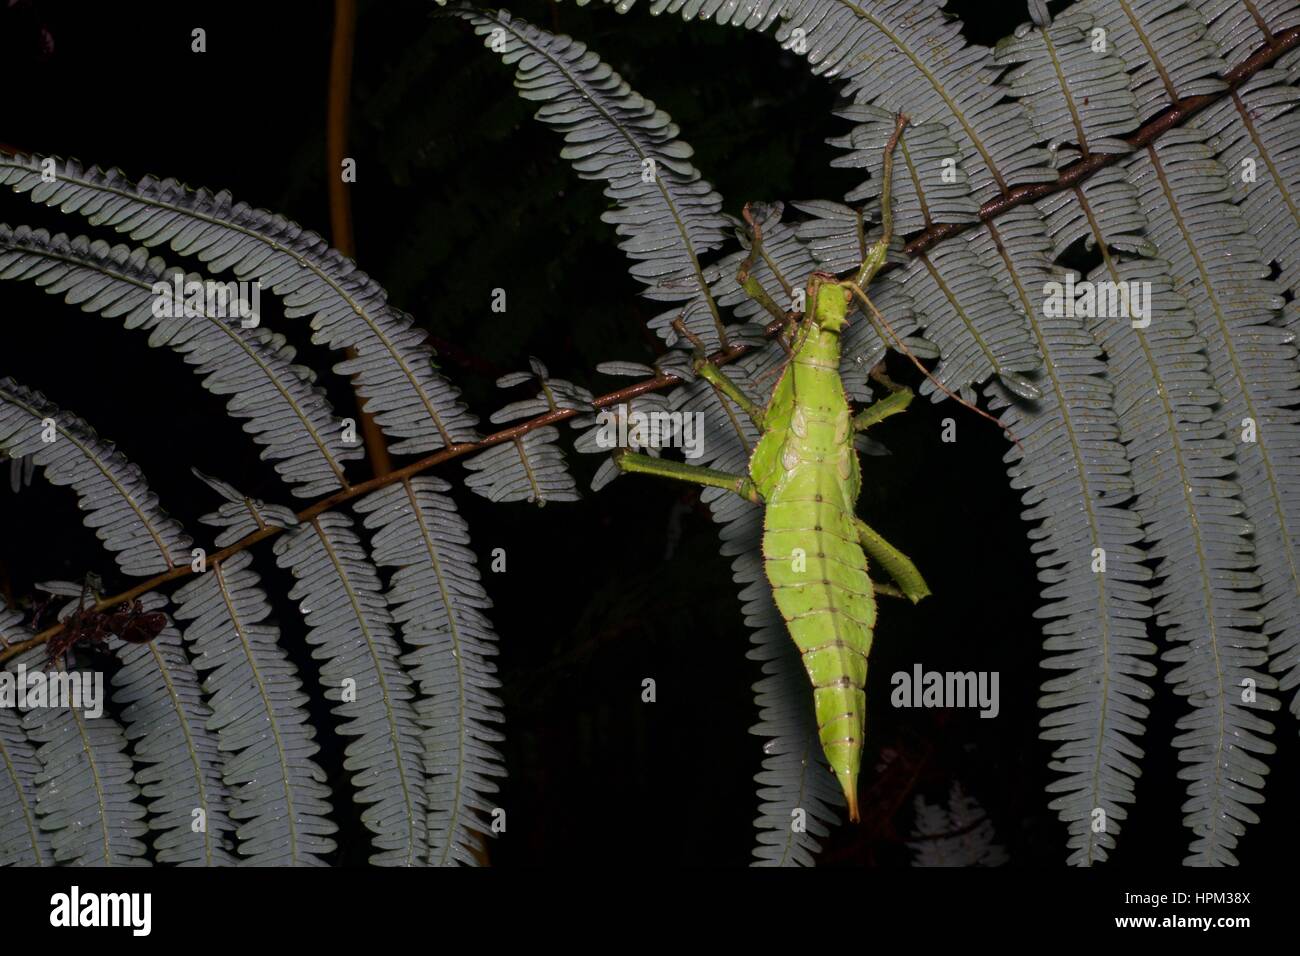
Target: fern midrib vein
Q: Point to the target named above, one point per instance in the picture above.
(1064, 83)
(1259, 20)
(960, 311)
(806, 762)
(453, 628)
(29, 814)
(1067, 420)
(272, 718)
(94, 459)
(191, 750)
(382, 675)
(93, 766)
(528, 470)
(1280, 183)
(913, 174)
(1249, 125)
(1152, 56)
(1177, 447)
(1208, 285)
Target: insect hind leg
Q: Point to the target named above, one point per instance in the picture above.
(898, 565)
(893, 403)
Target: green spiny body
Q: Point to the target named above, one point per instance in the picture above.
(806, 470)
(805, 474)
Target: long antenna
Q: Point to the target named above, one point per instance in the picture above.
(876, 317)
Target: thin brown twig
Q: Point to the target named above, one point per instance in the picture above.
(341, 497)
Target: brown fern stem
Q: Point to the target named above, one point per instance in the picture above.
(1146, 134)
(351, 492)
(1071, 176)
(340, 199)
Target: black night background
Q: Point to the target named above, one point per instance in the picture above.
(459, 192)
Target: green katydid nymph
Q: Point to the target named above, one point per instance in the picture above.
(805, 474)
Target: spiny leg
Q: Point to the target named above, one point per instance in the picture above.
(679, 471)
(753, 288)
(715, 377)
(893, 403)
(898, 565)
(875, 257)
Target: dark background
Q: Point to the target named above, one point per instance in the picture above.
(459, 191)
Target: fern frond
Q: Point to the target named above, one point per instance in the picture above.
(902, 56)
(1256, 130)
(1217, 263)
(111, 491)
(22, 841)
(593, 437)
(340, 597)
(1256, 134)
(957, 835)
(1181, 462)
(1073, 468)
(283, 410)
(1165, 48)
(668, 216)
(85, 795)
(438, 601)
(156, 681)
(555, 394)
(1058, 56)
(929, 185)
(393, 366)
(1237, 29)
(961, 308)
(530, 467)
(239, 515)
(1075, 483)
(166, 720)
(259, 714)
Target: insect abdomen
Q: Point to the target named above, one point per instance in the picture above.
(819, 580)
(818, 572)
(807, 472)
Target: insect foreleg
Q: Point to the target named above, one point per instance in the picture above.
(715, 377)
(679, 471)
(898, 565)
(753, 288)
(875, 257)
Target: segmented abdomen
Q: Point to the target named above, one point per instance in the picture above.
(818, 574)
